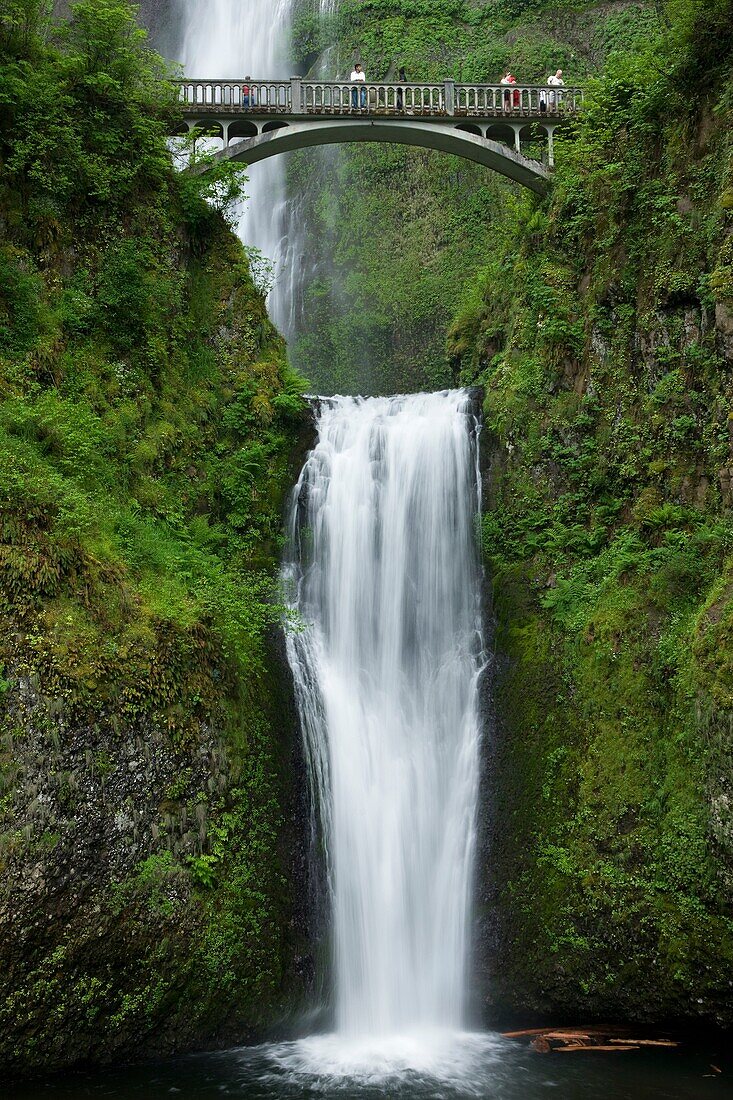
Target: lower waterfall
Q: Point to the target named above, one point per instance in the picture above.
(387, 656)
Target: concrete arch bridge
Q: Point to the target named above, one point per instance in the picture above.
(485, 123)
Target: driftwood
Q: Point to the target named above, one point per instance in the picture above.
(600, 1047)
(609, 1040)
(649, 1042)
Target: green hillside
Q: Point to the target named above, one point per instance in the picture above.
(602, 329)
(147, 425)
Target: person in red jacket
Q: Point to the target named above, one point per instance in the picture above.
(510, 97)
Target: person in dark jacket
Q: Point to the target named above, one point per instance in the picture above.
(400, 96)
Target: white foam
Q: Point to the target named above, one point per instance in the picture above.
(459, 1061)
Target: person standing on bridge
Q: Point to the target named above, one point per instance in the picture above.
(402, 77)
(508, 78)
(245, 92)
(358, 76)
(556, 81)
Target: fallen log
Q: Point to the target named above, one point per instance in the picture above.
(601, 1047)
(593, 1030)
(648, 1042)
(610, 1039)
(563, 1035)
(523, 1034)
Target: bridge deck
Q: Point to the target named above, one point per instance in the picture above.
(302, 99)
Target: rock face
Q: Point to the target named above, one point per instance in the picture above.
(123, 901)
(594, 897)
(162, 20)
(156, 893)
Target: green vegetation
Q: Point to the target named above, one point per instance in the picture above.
(148, 421)
(144, 428)
(148, 426)
(601, 328)
(396, 234)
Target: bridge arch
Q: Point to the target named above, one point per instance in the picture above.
(242, 128)
(457, 140)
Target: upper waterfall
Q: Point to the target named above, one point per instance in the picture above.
(233, 39)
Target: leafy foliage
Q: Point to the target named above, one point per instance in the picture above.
(593, 329)
(398, 234)
(147, 420)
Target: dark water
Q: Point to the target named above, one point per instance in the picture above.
(480, 1066)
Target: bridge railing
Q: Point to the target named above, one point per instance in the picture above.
(495, 99)
(308, 97)
(323, 97)
(239, 95)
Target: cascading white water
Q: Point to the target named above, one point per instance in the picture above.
(384, 573)
(231, 39)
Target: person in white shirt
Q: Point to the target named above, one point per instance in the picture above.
(556, 81)
(358, 76)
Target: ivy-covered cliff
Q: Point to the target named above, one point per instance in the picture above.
(602, 329)
(149, 843)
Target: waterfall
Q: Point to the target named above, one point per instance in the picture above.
(232, 39)
(384, 576)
